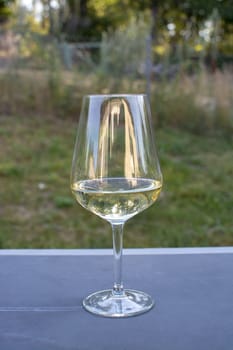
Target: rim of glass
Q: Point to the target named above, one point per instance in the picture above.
(113, 95)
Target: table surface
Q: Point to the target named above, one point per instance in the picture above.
(41, 296)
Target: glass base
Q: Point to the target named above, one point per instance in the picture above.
(108, 304)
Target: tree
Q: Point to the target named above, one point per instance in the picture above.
(5, 10)
(86, 20)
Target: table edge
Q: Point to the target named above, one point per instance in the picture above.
(128, 251)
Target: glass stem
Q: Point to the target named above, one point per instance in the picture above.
(117, 235)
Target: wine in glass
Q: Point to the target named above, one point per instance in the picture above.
(116, 175)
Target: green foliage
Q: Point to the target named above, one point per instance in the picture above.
(124, 50)
(36, 50)
(88, 19)
(5, 10)
(112, 14)
(10, 170)
(202, 9)
(63, 201)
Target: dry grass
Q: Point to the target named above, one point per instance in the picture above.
(202, 103)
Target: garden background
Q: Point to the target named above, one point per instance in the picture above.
(54, 52)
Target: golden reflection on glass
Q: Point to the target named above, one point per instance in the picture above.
(116, 112)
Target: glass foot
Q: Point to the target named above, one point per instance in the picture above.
(106, 303)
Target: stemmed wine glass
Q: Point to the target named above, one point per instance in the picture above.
(116, 175)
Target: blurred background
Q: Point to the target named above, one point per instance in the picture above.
(52, 52)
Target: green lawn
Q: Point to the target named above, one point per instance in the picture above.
(37, 209)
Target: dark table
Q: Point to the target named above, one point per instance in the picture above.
(41, 292)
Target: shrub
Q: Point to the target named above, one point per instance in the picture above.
(124, 50)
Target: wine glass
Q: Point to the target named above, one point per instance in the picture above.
(116, 175)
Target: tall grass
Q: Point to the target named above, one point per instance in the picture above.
(36, 92)
(201, 103)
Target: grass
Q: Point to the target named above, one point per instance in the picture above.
(37, 209)
(201, 104)
(40, 104)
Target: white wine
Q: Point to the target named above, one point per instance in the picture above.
(116, 199)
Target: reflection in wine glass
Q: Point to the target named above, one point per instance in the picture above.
(116, 113)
